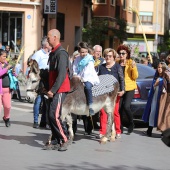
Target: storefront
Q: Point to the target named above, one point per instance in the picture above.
(21, 26)
(11, 30)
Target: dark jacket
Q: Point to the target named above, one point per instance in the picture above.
(58, 70)
(116, 71)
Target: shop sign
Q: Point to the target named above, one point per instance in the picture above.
(50, 6)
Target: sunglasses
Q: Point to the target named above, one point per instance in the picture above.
(122, 53)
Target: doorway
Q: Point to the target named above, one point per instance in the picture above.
(11, 30)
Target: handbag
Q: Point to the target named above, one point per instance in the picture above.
(13, 80)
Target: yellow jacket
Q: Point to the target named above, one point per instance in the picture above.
(130, 74)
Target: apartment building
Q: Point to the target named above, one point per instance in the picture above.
(114, 10)
(154, 17)
(153, 14)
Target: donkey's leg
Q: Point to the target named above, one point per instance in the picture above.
(113, 133)
(70, 126)
(109, 124)
(109, 128)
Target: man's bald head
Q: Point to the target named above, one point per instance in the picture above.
(55, 32)
(53, 37)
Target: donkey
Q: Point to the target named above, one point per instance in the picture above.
(32, 82)
(75, 102)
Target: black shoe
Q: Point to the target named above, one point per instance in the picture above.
(35, 125)
(121, 128)
(96, 126)
(21, 100)
(7, 122)
(147, 133)
(87, 133)
(42, 125)
(64, 146)
(131, 127)
(14, 96)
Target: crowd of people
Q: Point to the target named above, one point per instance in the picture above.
(54, 68)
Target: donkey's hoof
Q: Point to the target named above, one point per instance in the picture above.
(103, 140)
(112, 139)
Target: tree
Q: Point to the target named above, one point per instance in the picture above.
(165, 44)
(96, 31)
(120, 29)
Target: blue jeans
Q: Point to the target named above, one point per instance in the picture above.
(36, 108)
(88, 92)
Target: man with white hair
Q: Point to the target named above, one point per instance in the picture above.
(97, 57)
(41, 56)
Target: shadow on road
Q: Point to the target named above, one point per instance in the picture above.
(86, 166)
(28, 140)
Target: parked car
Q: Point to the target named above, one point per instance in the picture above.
(144, 83)
(145, 54)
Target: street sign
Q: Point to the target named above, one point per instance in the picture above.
(50, 6)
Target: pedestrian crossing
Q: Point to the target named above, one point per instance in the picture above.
(21, 106)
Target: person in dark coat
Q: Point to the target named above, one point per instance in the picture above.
(153, 104)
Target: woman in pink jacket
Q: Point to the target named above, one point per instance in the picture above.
(5, 92)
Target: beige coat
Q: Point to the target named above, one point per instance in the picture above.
(164, 109)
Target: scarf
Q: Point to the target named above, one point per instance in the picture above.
(84, 62)
(13, 80)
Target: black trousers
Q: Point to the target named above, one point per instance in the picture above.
(58, 128)
(124, 106)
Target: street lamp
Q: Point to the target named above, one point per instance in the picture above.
(137, 13)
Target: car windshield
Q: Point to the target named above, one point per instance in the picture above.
(145, 71)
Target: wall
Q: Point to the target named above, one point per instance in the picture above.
(72, 10)
(32, 30)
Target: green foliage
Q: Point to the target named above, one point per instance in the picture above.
(165, 45)
(121, 32)
(96, 31)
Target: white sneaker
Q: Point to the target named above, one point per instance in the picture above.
(99, 136)
(118, 136)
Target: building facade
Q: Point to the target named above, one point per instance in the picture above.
(154, 17)
(153, 14)
(24, 22)
(21, 26)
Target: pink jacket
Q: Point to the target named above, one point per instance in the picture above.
(2, 72)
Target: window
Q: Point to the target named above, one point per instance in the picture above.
(134, 17)
(101, 1)
(146, 18)
(112, 2)
(61, 24)
(124, 4)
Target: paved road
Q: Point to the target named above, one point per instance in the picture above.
(21, 148)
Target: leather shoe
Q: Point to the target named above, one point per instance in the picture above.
(7, 122)
(147, 133)
(35, 125)
(131, 127)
